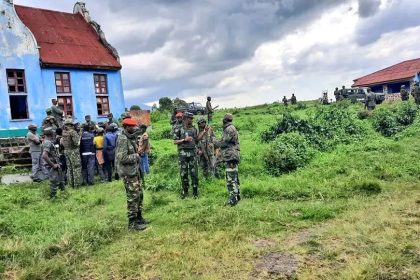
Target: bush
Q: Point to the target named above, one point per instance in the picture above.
(386, 123)
(287, 153)
(362, 115)
(407, 114)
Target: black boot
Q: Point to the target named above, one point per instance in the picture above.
(184, 192)
(233, 201)
(195, 192)
(141, 220)
(132, 225)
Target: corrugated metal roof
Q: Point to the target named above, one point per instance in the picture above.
(401, 71)
(66, 40)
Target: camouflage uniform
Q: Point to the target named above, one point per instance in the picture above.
(370, 102)
(57, 113)
(415, 92)
(127, 166)
(404, 94)
(55, 175)
(71, 142)
(337, 94)
(293, 99)
(187, 155)
(209, 110)
(229, 145)
(285, 102)
(206, 151)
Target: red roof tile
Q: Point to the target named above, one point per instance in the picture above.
(401, 71)
(66, 40)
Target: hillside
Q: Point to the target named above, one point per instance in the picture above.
(329, 192)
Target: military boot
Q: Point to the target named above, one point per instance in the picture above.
(132, 225)
(232, 201)
(195, 191)
(141, 220)
(184, 192)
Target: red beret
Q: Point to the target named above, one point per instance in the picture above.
(129, 122)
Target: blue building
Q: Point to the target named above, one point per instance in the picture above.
(48, 54)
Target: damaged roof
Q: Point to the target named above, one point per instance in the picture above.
(66, 40)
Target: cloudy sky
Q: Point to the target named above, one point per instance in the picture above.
(247, 52)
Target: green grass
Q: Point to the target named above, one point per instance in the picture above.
(360, 202)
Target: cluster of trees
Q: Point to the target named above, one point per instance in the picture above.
(165, 104)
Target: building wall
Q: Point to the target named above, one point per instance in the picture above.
(18, 50)
(83, 91)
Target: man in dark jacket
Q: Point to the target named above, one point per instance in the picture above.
(110, 144)
(127, 160)
(87, 150)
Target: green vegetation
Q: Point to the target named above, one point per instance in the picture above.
(346, 206)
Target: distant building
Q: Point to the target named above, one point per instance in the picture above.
(390, 79)
(48, 54)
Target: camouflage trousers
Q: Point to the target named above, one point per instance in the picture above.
(209, 118)
(188, 165)
(74, 167)
(208, 165)
(232, 181)
(134, 193)
(56, 178)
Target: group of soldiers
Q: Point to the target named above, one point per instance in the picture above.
(415, 92)
(293, 100)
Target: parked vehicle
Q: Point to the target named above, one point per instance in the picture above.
(194, 108)
(359, 94)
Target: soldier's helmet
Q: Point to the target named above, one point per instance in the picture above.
(188, 115)
(228, 117)
(201, 120)
(48, 110)
(208, 98)
(48, 131)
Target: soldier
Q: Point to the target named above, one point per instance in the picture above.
(324, 99)
(178, 122)
(209, 110)
(127, 160)
(49, 120)
(415, 92)
(206, 148)
(186, 137)
(343, 92)
(110, 120)
(57, 143)
(91, 123)
(404, 94)
(57, 112)
(293, 99)
(370, 102)
(87, 151)
(35, 151)
(285, 102)
(71, 144)
(337, 94)
(52, 161)
(229, 145)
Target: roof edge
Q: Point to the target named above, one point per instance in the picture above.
(380, 83)
(77, 66)
(386, 68)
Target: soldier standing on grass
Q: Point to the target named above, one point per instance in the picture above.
(71, 143)
(209, 110)
(229, 145)
(285, 102)
(337, 94)
(415, 92)
(35, 151)
(404, 94)
(206, 148)
(127, 160)
(51, 157)
(370, 102)
(186, 138)
(293, 99)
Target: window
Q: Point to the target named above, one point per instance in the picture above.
(66, 103)
(101, 90)
(18, 97)
(16, 81)
(102, 104)
(62, 82)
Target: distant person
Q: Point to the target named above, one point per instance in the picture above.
(110, 144)
(293, 99)
(206, 148)
(337, 94)
(87, 151)
(127, 160)
(370, 102)
(71, 144)
(111, 120)
(285, 102)
(209, 110)
(230, 150)
(415, 92)
(186, 138)
(144, 149)
(98, 143)
(343, 92)
(49, 120)
(57, 112)
(51, 157)
(404, 94)
(88, 121)
(35, 145)
(324, 99)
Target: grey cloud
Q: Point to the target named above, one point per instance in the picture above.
(368, 8)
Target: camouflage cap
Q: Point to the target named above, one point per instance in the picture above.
(188, 115)
(48, 131)
(228, 117)
(48, 110)
(201, 120)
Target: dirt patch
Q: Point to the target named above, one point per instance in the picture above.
(278, 265)
(15, 179)
(263, 243)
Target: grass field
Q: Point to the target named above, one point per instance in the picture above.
(351, 212)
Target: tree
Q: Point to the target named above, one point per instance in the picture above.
(135, 108)
(179, 103)
(165, 104)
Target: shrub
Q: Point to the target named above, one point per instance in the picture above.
(287, 153)
(362, 115)
(407, 114)
(392, 120)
